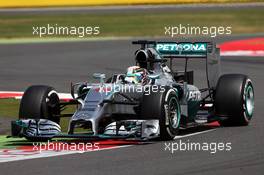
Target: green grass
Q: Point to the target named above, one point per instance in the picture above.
(135, 24)
(9, 108)
(9, 142)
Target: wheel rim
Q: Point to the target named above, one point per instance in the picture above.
(249, 101)
(173, 111)
(52, 101)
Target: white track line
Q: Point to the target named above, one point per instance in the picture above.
(45, 154)
(259, 53)
(193, 134)
(18, 95)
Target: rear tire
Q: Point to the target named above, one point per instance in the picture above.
(164, 106)
(234, 100)
(40, 102)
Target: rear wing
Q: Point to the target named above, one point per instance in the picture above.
(188, 50)
(183, 49)
(179, 49)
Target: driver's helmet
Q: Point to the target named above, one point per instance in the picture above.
(136, 75)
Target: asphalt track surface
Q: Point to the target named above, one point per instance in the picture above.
(60, 63)
(57, 64)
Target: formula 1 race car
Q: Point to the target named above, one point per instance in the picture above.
(150, 100)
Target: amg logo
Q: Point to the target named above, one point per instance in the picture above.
(174, 47)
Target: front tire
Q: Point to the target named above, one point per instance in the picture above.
(40, 102)
(234, 100)
(164, 106)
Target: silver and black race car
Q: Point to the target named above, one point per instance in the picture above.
(150, 100)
